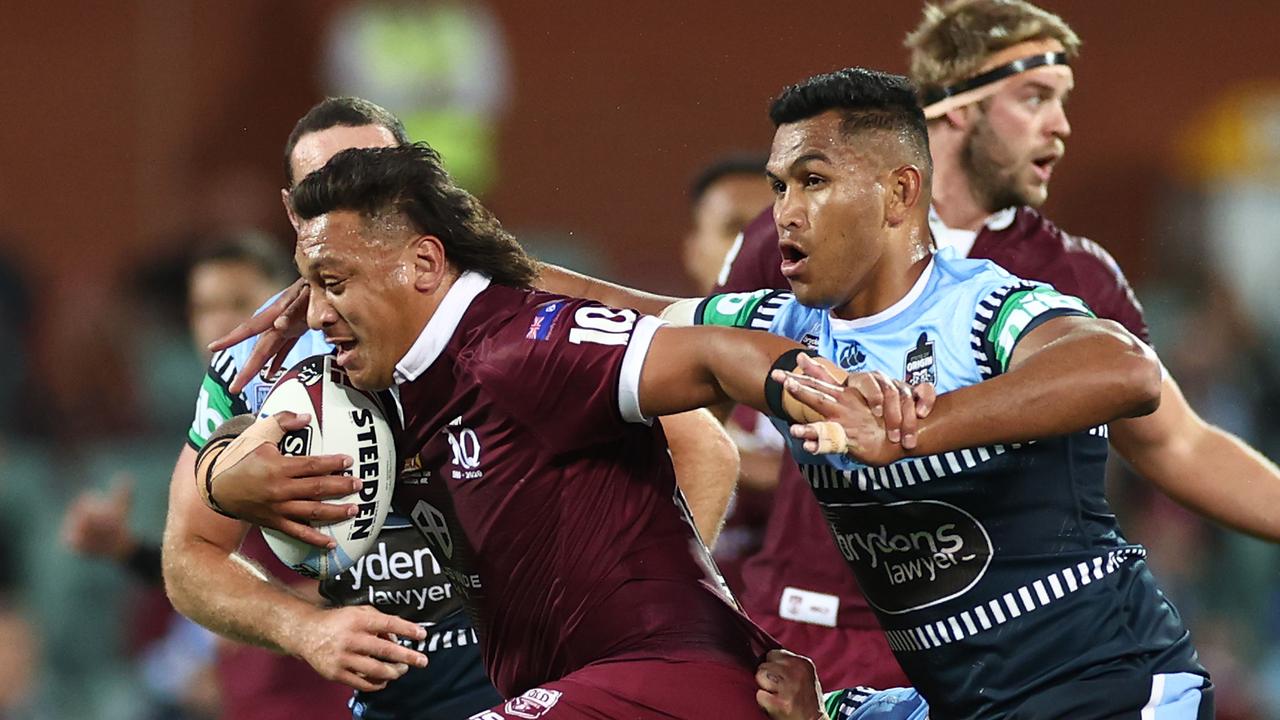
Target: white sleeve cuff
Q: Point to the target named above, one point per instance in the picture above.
(632, 364)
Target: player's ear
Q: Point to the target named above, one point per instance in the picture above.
(429, 266)
(902, 194)
(288, 209)
(961, 118)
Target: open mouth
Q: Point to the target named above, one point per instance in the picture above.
(345, 349)
(793, 258)
(1043, 166)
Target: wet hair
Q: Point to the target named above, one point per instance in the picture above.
(867, 100)
(954, 40)
(727, 166)
(255, 249)
(340, 112)
(410, 181)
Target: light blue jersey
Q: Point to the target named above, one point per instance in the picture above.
(997, 572)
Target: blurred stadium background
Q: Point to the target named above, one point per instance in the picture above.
(132, 129)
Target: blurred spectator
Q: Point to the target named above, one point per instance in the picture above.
(225, 283)
(725, 196)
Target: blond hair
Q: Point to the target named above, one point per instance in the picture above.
(954, 40)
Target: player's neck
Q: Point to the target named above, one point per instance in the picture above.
(954, 199)
(891, 279)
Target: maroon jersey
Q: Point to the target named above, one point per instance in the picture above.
(550, 501)
(1031, 247)
(798, 581)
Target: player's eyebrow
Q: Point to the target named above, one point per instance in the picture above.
(807, 157)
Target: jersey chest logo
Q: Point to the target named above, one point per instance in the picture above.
(913, 554)
(919, 366)
(464, 444)
(851, 357)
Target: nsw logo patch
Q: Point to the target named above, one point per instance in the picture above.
(919, 366)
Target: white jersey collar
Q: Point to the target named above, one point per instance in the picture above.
(440, 327)
(961, 241)
(893, 310)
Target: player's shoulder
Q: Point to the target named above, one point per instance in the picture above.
(515, 324)
(1067, 252)
(962, 280)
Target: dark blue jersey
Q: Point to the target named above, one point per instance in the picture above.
(997, 572)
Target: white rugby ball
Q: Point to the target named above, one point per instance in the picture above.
(346, 421)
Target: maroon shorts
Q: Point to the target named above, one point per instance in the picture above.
(638, 690)
(845, 657)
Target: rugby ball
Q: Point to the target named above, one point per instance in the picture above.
(344, 420)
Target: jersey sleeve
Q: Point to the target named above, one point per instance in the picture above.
(750, 310)
(570, 370)
(1007, 314)
(215, 404)
(754, 261)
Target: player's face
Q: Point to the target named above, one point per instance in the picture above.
(361, 279)
(721, 213)
(220, 295)
(1018, 138)
(829, 200)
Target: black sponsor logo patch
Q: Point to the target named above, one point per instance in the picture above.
(911, 555)
(810, 340)
(919, 366)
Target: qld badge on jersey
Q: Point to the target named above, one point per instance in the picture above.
(919, 365)
(544, 321)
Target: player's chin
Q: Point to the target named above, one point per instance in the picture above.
(367, 376)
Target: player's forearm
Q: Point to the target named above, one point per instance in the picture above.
(561, 281)
(694, 367)
(706, 465)
(225, 594)
(1203, 467)
(208, 582)
(1076, 382)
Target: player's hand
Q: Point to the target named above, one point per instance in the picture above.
(871, 417)
(356, 646)
(900, 405)
(789, 688)
(97, 524)
(284, 492)
(279, 324)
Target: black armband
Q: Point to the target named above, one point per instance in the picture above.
(205, 461)
(786, 362)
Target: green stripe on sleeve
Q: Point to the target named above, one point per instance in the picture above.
(1019, 312)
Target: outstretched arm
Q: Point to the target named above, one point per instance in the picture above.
(693, 367)
(1065, 375)
(1204, 467)
(563, 281)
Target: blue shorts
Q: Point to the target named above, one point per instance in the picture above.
(1168, 696)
